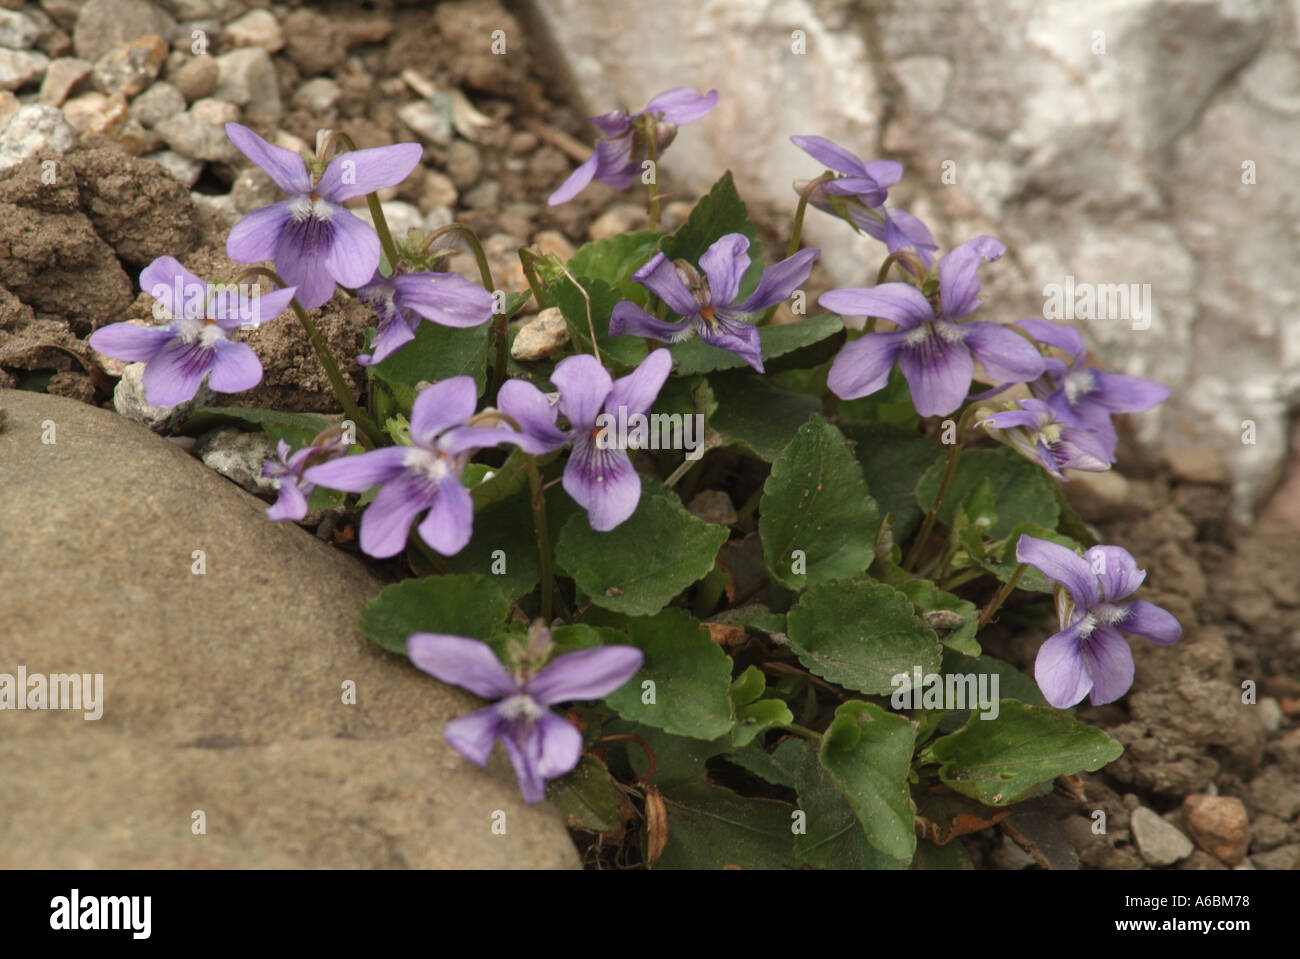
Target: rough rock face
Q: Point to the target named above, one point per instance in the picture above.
(1121, 142)
(223, 691)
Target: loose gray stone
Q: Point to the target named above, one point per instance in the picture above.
(31, 129)
(131, 67)
(319, 95)
(182, 168)
(18, 31)
(200, 132)
(238, 456)
(222, 691)
(18, 68)
(542, 336)
(197, 77)
(246, 78)
(61, 76)
(160, 102)
(257, 28)
(426, 122)
(253, 189)
(129, 401)
(105, 25)
(1159, 843)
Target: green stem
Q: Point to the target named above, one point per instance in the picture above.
(801, 731)
(961, 579)
(796, 231)
(381, 227)
(485, 277)
(954, 452)
(1000, 597)
(470, 237)
(652, 188)
(710, 591)
(367, 430)
(527, 259)
(543, 540)
(796, 235)
(918, 545)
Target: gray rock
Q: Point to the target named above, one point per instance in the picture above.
(464, 164)
(618, 219)
(131, 67)
(197, 77)
(253, 189)
(19, 68)
(222, 692)
(160, 102)
(485, 196)
(200, 133)
(319, 95)
(222, 207)
(61, 76)
(257, 28)
(438, 191)
(1284, 857)
(18, 31)
(129, 401)
(182, 168)
(1159, 843)
(238, 456)
(542, 336)
(246, 78)
(1114, 143)
(427, 122)
(104, 25)
(31, 129)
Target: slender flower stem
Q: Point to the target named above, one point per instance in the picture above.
(652, 188)
(796, 232)
(801, 731)
(538, 500)
(950, 469)
(381, 227)
(954, 453)
(528, 260)
(470, 237)
(796, 235)
(904, 259)
(1000, 597)
(710, 591)
(367, 430)
(485, 276)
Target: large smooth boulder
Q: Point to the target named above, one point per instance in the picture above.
(1146, 142)
(223, 692)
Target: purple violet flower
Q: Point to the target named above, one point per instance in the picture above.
(858, 196)
(1087, 397)
(705, 302)
(1034, 430)
(599, 474)
(424, 476)
(1089, 654)
(314, 240)
(287, 470)
(196, 342)
(541, 744)
(617, 158)
(933, 350)
(445, 298)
